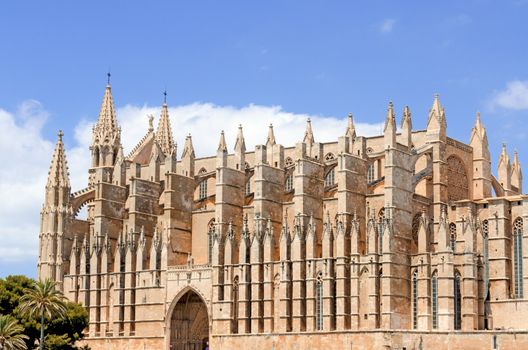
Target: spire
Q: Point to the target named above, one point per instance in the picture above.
(188, 149)
(58, 173)
(106, 126)
(308, 134)
(222, 146)
(478, 133)
(351, 129)
(164, 131)
(271, 136)
(240, 144)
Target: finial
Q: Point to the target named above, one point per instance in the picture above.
(151, 122)
(165, 97)
(108, 75)
(60, 134)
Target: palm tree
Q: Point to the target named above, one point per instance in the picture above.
(41, 301)
(10, 337)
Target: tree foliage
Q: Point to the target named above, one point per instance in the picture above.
(62, 332)
(11, 337)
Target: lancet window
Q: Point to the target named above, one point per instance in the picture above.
(517, 257)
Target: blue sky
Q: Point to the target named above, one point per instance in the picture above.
(309, 58)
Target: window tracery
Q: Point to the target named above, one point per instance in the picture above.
(457, 180)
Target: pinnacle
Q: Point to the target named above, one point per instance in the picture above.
(406, 120)
(222, 146)
(351, 129)
(164, 131)
(58, 173)
(106, 126)
(271, 136)
(308, 134)
(391, 118)
(240, 144)
(188, 149)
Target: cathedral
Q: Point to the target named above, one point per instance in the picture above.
(405, 240)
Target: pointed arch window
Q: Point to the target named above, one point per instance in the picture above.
(517, 257)
(457, 301)
(319, 303)
(452, 236)
(289, 183)
(434, 301)
(203, 189)
(485, 254)
(330, 178)
(415, 299)
(210, 234)
(371, 176)
(248, 187)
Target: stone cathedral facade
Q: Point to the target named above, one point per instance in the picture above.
(399, 241)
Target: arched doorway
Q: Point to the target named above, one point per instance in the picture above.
(189, 327)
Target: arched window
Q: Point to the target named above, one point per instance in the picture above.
(485, 254)
(452, 236)
(370, 173)
(457, 301)
(517, 257)
(210, 237)
(330, 178)
(289, 183)
(234, 316)
(434, 297)
(319, 303)
(415, 299)
(203, 189)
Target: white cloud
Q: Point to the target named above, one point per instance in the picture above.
(28, 153)
(515, 96)
(387, 26)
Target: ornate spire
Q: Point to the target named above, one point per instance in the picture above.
(308, 134)
(164, 131)
(240, 144)
(58, 173)
(106, 127)
(188, 149)
(271, 136)
(222, 146)
(351, 129)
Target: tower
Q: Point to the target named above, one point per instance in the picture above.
(55, 216)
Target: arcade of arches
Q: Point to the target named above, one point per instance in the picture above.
(189, 328)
